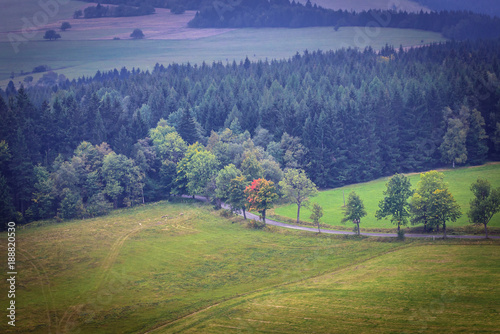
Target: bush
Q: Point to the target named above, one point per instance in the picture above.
(65, 26)
(137, 34)
(51, 35)
(226, 213)
(40, 68)
(255, 225)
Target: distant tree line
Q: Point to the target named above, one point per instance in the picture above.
(343, 116)
(184, 4)
(478, 6)
(282, 13)
(92, 12)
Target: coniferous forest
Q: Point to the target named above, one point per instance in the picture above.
(82, 147)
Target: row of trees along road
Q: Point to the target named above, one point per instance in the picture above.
(431, 204)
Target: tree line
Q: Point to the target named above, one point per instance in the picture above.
(98, 11)
(283, 13)
(431, 204)
(343, 116)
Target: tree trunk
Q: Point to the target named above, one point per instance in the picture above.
(444, 230)
(399, 226)
(425, 226)
(298, 213)
(319, 231)
(453, 163)
(485, 231)
(244, 214)
(264, 217)
(359, 233)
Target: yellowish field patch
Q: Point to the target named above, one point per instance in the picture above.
(360, 5)
(161, 25)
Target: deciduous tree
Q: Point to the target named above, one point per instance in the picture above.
(297, 188)
(137, 34)
(395, 203)
(261, 194)
(443, 208)
(354, 210)
(237, 198)
(484, 205)
(316, 214)
(421, 199)
(223, 181)
(51, 35)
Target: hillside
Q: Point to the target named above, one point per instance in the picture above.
(181, 267)
(139, 268)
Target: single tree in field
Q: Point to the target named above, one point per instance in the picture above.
(485, 204)
(443, 208)
(297, 187)
(65, 26)
(137, 34)
(261, 194)
(354, 210)
(317, 213)
(237, 197)
(395, 203)
(51, 35)
(421, 201)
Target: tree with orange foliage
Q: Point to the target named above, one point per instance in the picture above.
(261, 194)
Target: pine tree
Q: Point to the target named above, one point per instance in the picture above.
(187, 128)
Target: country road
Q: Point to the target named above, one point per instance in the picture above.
(310, 229)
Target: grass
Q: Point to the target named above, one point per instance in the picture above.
(139, 268)
(459, 181)
(418, 289)
(181, 267)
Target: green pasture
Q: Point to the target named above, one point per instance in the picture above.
(80, 57)
(427, 289)
(459, 181)
(140, 268)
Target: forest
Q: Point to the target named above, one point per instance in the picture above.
(81, 147)
(281, 13)
(118, 11)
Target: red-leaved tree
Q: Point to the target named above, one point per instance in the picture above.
(261, 194)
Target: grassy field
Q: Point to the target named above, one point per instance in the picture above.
(137, 269)
(415, 290)
(180, 267)
(459, 181)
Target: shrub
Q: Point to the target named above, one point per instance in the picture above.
(226, 213)
(255, 225)
(65, 26)
(137, 34)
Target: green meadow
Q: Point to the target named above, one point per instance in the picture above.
(181, 267)
(459, 181)
(140, 268)
(422, 289)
